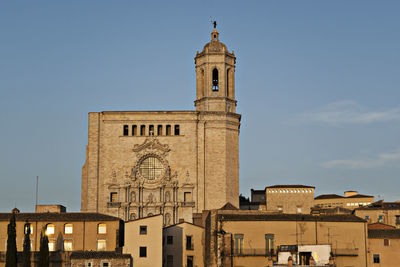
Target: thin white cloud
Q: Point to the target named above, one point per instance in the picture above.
(348, 112)
(378, 161)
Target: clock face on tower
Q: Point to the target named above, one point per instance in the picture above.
(151, 168)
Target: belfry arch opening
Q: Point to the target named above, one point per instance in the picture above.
(215, 80)
(227, 82)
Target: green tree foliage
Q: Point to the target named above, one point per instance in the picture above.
(11, 255)
(44, 251)
(26, 254)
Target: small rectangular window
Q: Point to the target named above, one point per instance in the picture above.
(187, 197)
(189, 245)
(68, 228)
(269, 244)
(159, 130)
(189, 261)
(143, 252)
(101, 245)
(367, 217)
(397, 219)
(89, 264)
(102, 228)
(126, 130)
(238, 244)
(143, 230)
(113, 197)
(105, 264)
(386, 242)
(142, 130)
(50, 229)
(380, 218)
(168, 129)
(151, 130)
(170, 261)
(67, 245)
(176, 132)
(170, 240)
(134, 130)
(376, 258)
(52, 245)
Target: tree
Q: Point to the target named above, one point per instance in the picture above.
(44, 251)
(11, 255)
(26, 254)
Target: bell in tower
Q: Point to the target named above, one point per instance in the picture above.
(215, 77)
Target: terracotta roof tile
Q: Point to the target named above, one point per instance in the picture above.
(328, 196)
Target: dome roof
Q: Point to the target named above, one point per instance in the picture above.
(215, 45)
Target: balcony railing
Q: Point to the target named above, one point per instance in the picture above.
(187, 204)
(113, 204)
(253, 252)
(345, 252)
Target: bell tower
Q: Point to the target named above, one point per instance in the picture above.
(218, 126)
(215, 77)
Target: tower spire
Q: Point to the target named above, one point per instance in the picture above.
(215, 71)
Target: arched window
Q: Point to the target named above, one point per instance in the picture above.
(142, 130)
(159, 130)
(168, 130)
(126, 129)
(134, 130)
(151, 130)
(101, 228)
(215, 80)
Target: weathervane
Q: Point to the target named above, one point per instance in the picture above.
(213, 22)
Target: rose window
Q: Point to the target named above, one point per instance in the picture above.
(151, 168)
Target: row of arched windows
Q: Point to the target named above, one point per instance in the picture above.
(150, 130)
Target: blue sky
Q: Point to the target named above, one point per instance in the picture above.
(317, 85)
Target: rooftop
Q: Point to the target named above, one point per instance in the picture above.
(265, 216)
(384, 233)
(328, 196)
(290, 186)
(98, 255)
(60, 217)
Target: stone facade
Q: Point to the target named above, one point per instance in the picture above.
(290, 198)
(175, 163)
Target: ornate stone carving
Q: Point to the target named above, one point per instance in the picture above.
(151, 143)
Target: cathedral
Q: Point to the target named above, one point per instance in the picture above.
(174, 163)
